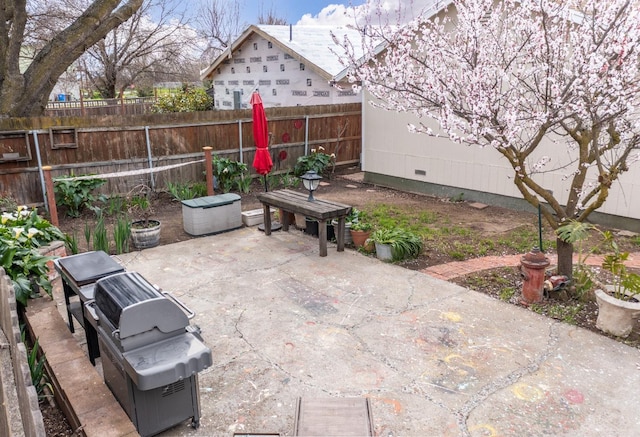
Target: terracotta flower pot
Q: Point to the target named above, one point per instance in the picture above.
(359, 237)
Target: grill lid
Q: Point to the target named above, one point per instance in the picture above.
(117, 292)
(133, 306)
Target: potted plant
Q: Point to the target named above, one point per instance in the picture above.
(353, 216)
(395, 244)
(360, 232)
(145, 232)
(619, 300)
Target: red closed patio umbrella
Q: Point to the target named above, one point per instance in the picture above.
(262, 161)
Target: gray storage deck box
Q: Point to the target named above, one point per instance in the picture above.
(211, 214)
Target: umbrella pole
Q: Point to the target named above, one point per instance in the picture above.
(266, 186)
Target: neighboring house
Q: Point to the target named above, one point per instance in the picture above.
(288, 65)
(394, 157)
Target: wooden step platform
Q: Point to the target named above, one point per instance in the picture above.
(333, 417)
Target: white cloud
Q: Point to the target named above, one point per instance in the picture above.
(391, 11)
(332, 14)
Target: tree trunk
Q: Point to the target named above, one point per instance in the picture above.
(565, 257)
(26, 94)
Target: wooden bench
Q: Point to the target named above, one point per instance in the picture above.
(321, 210)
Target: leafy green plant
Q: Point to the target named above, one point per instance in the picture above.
(361, 225)
(87, 233)
(317, 161)
(121, 234)
(289, 180)
(188, 99)
(227, 172)
(458, 198)
(39, 376)
(273, 181)
(243, 183)
(71, 243)
(115, 205)
(582, 281)
(625, 284)
(100, 240)
(76, 194)
(354, 215)
(22, 232)
(507, 293)
(187, 191)
(404, 244)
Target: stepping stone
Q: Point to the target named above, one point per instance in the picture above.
(351, 186)
(478, 205)
(626, 234)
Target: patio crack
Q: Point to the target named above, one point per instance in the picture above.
(267, 359)
(462, 415)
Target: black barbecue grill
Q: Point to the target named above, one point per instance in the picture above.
(151, 355)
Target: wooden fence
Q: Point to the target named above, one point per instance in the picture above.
(90, 108)
(110, 144)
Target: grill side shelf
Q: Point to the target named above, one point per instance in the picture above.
(167, 361)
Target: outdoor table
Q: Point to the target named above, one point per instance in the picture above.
(321, 210)
(79, 274)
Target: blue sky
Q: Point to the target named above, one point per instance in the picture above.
(294, 10)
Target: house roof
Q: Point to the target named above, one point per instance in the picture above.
(313, 45)
(310, 44)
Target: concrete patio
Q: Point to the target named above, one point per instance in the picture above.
(434, 359)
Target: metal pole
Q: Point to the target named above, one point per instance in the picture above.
(149, 158)
(306, 135)
(42, 180)
(240, 135)
(540, 226)
(208, 163)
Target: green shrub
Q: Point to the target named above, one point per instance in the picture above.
(77, 194)
(289, 180)
(317, 161)
(186, 100)
(227, 172)
(100, 241)
(404, 243)
(186, 191)
(361, 226)
(39, 377)
(22, 232)
(243, 183)
(121, 234)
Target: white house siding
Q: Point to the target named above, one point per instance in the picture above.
(390, 151)
(294, 86)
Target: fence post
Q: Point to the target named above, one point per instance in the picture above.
(208, 165)
(51, 197)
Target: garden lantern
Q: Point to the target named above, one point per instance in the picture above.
(311, 180)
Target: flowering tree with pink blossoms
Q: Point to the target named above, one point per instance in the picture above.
(514, 75)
